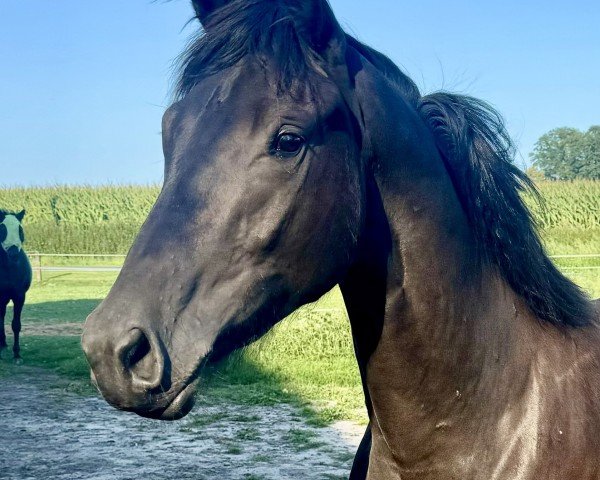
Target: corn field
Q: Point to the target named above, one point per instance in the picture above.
(106, 219)
(81, 219)
(567, 204)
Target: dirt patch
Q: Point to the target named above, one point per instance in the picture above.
(46, 432)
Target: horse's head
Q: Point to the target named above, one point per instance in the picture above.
(12, 236)
(261, 208)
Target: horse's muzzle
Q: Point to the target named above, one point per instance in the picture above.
(132, 371)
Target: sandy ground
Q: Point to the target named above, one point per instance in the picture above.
(47, 433)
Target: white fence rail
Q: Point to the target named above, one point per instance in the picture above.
(39, 267)
(582, 255)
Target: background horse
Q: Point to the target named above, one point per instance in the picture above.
(297, 158)
(15, 274)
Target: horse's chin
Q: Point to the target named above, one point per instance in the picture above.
(178, 408)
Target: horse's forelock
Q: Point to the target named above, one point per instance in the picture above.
(292, 33)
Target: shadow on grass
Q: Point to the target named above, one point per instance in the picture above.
(51, 313)
(241, 379)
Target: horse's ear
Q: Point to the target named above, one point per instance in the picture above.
(319, 26)
(205, 8)
(20, 215)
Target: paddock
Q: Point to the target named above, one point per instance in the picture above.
(54, 433)
(54, 424)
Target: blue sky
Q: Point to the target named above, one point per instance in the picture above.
(83, 84)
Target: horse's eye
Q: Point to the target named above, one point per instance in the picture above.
(289, 144)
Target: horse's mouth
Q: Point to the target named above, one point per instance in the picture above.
(181, 405)
(178, 408)
(175, 409)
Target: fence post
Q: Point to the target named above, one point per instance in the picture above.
(38, 267)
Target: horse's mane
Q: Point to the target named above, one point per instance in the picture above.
(478, 154)
(470, 135)
(242, 28)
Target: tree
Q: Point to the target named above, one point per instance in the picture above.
(591, 153)
(567, 154)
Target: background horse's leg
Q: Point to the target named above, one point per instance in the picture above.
(18, 303)
(360, 466)
(3, 303)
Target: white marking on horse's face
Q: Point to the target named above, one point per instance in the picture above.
(13, 239)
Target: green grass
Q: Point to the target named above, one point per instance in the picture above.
(60, 355)
(247, 434)
(66, 297)
(207, 419)
(261, 459)
(571, 240)
(234, 450)
(301, 439)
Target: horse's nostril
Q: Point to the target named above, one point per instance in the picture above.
(139, 349)
(142, 359)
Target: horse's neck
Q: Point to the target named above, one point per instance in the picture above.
(432, 328)
(446, 315)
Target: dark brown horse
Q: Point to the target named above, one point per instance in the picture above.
(15, 274)
(298, 158)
